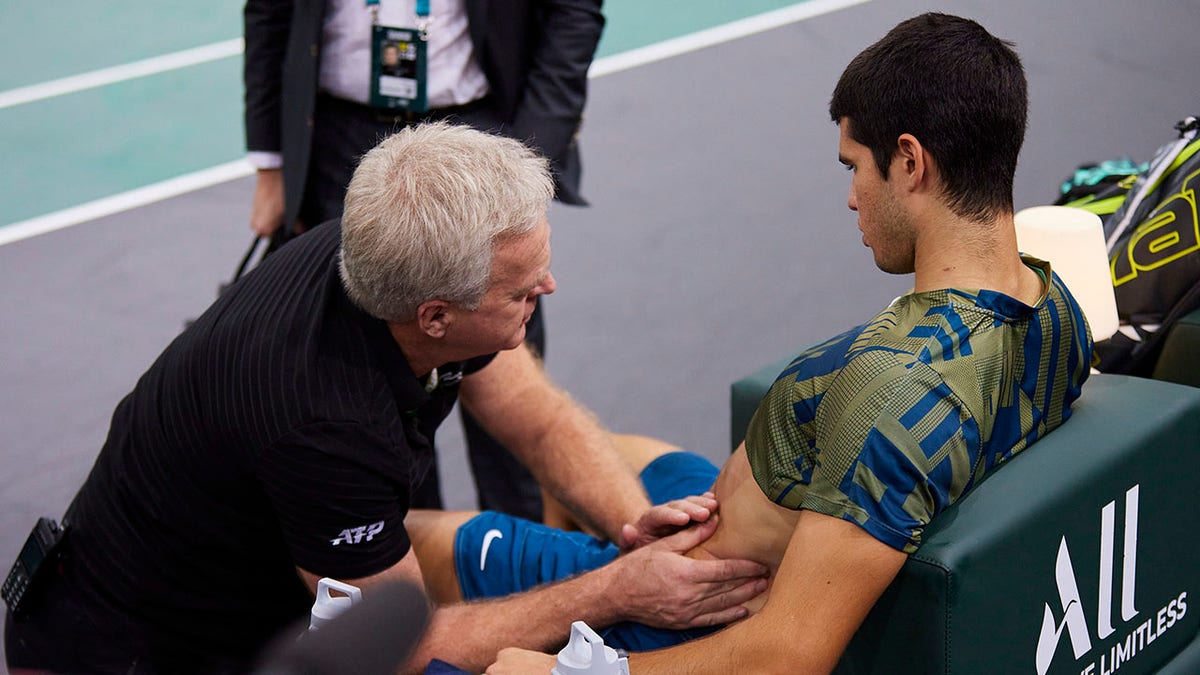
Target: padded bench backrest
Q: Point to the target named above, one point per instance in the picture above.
(1179, 360)
(1081, 555)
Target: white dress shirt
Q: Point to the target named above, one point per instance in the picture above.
(454, 76)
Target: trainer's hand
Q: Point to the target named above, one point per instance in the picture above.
(666, 519)
(514, 661)
(266, 212)
(658, 586)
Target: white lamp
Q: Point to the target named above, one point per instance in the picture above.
(1073, 241)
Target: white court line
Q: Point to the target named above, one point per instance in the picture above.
(714, 36)
(240, 168)
(125, 201)
(128, 71)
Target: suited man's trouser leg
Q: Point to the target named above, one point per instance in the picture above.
(502, 483)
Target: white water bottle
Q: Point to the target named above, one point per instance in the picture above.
(329, 606)
(586, 654)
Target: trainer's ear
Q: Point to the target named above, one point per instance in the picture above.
(911, 165)
(434, 317)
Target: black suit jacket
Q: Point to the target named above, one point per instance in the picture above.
(535, 54)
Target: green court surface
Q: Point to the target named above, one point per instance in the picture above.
(73, 148)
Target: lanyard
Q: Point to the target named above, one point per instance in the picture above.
(422, 8)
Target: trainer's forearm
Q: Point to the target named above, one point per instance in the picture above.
(562, 443)
(468, 635)
(584, 471)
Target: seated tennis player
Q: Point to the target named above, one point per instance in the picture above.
(867, 437)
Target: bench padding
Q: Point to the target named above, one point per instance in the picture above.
(972, 599)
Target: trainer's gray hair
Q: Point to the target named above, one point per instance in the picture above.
(424, 210)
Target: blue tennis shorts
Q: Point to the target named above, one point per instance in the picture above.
(496, 554)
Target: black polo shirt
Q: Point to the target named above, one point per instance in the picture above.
(283, 428)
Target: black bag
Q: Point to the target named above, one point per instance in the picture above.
(282, 235)
(237, 273)
(241, 268)
(1153, 236)
(1101, 188)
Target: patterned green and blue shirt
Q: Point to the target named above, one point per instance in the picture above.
(891, 422)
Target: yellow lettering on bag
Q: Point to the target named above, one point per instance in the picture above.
(1171, 232)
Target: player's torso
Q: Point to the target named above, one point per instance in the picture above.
(751, 526)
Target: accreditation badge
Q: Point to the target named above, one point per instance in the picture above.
(398, 69)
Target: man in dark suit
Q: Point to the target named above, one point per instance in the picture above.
(517, 67)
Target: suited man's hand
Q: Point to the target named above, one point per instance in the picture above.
(266, 213)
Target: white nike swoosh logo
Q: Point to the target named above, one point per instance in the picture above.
(487, 543)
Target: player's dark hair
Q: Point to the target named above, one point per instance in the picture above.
(958, 89)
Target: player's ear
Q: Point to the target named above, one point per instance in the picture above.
(911, 163)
